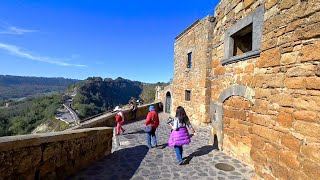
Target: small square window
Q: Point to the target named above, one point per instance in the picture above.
(242, 41)
(188, 95)
(189, 62)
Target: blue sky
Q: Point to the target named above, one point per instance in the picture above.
(83, 38)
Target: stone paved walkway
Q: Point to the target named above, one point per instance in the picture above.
(133, 160)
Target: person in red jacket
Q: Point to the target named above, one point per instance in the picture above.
(153, 120)
(119, 120)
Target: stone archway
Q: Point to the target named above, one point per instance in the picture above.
(217, 109)
(168, 103)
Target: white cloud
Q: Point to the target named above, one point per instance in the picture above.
(6, 28)
(16, 51)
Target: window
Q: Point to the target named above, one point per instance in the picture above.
(188, 95)
(189, 62)
(243, 39)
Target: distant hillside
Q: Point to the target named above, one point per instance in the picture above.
(24, 116)
(19, 86)
(96, 95)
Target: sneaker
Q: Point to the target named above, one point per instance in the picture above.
(180, 162)
(123, 131)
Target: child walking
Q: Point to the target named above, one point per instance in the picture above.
(180, 135)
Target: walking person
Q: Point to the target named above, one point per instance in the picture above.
(179, 135)
(153, 121)
(134, 109)
(119, 120)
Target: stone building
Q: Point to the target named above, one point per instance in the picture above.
(252, 72)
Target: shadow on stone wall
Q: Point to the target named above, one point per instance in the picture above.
(121, 164)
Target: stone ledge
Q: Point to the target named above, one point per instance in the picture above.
(53, 155)
(16, 142)
(242, 57)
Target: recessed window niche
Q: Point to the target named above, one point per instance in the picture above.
(243, 39)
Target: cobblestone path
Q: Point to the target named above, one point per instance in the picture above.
(133, 160)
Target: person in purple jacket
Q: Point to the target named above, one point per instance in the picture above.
(180, 135)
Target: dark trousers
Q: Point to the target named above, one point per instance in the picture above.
(134, 114)
(152, 134)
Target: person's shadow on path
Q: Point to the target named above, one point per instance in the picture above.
(135, 132)
(120, 165)
(199, 152)
(202, 151)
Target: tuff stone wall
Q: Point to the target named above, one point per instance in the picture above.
(274, 124)
(52, 155)
(196, 40)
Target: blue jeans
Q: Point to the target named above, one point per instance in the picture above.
(152, 134)
(178, 150)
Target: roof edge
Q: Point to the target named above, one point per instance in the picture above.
(188, 28)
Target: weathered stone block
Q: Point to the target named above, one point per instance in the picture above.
(284, 119)
(289, 58)
(258, 142)
(291, 142)
(307, 128)
(312, 151)
(262, 93)
(311, 169)
(313, 83)
(295, 83)
(275, 81)
(310, 103)
(261, 106)
(308, 32)
(269, 58)
(290, 159)
(219, 71)
(279, 171)
(301, 70)
(286, 4)
(264, 120)
(311, 52)
(233, 123)
(258, 156)
(282, 99)
(310, 116)
(270, 3)
(266, 133)
(273, 154)
(297, 175)
(317, 71)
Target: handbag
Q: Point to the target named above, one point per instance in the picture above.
(148, 128)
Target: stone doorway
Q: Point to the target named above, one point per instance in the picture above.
(168, 103)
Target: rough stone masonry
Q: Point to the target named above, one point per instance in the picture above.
(254, 76)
